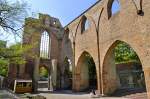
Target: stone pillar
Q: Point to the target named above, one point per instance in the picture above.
(147, 80)
(35, 74)
(49, 77)
(54, 73)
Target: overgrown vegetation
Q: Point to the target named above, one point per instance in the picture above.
(11, 55)
(12, 15)
(43, 72)
(124, 53)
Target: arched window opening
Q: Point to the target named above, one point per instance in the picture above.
(113, 7)
(66, 35)
(85, 24)
(123, 68)
(43, 72)
(45, 45)
(67, 31)
(43, 80)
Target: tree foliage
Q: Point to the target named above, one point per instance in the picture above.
(43, 72)
(3, 67)
(12, 55)
(124, 53)
(12, 14)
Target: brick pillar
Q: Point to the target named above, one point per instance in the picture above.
(77, 80)
(147, 80)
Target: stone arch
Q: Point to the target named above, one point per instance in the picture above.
(43, 65)
(112, 5)
(78, 28)
(109, 72)
(82, 77)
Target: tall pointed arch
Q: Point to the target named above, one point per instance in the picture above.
(45, 45)
(85, 73)
(125, 74)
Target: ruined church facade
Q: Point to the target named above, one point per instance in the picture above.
(130, 25)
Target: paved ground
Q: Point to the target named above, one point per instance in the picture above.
(75, 96)
(6, 95)
(71, 95)
(87, 96)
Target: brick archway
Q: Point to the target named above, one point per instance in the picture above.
(109, 71)
(82, 78)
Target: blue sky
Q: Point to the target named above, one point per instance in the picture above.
(65, 10)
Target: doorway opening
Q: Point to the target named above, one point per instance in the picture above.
(43, 82)
(86, 73)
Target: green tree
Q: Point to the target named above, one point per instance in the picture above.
(12, 55)
(43, 72)
(12, 14)
(124, 53)
(3, 67)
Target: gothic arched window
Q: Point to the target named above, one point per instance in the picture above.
(45, 45)
(113, 7)
(85, 24)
